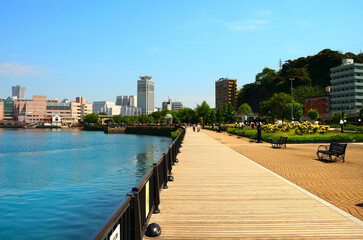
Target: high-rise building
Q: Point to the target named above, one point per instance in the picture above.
(145, 94)
(18, 92)
(130, 101)
(176, 105)
(167, 104)
(347, 88)
(110, 108)
(226, 92)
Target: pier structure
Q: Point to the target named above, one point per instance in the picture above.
(220, 194)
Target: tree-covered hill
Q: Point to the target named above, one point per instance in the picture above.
(311, 75)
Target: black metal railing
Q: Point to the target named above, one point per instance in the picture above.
(131, 218)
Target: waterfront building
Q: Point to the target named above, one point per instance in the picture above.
(110, 108)
(126, 101)
(145, 94)
(39, 109)
(176, 105)
(167, 104)
(226, 92)
(320, 103)
(18, 92)
(347, 88)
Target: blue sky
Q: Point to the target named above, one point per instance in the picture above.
(98, 49)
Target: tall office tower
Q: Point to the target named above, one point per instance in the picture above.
(347, 88)
(145, 94)
(126, 101)
(18, 92)
(226, 92)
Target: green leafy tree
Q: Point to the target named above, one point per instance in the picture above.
(219, 116)
(228, 113)
(212, 116)
(203, 110)
(187, 115)
(313, 114)
(102, 113)
(117, 119)
(91, 118)
(361, 113)
(305, 91)
(244, 109)
(336, 117)
(297, 111)
(276, 104)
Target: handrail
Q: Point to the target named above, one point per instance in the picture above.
(130, 220)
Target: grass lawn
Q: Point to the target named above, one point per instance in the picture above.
(331, 136)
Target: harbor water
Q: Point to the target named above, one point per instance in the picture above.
(64, 184)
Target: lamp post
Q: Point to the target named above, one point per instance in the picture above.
(359, 121)
(258, 82)
(341, 125)
(292, 104)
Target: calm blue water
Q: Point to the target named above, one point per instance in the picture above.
(63, 184)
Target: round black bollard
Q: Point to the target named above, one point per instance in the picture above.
(170, 178)
(176, 160)
(153, 230)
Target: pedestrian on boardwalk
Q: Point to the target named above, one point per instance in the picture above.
(194, 127)
(198, 127)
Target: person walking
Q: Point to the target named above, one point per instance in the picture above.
(193, 127)
(198, 127)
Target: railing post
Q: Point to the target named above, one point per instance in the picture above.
(156, 189)
(165, 162)
(136, 225)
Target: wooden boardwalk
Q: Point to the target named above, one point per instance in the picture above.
(220, 194)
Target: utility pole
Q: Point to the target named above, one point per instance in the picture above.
(292, 105)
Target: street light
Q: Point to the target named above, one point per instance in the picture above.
(258, 82)
(292, 105)
(341, 125)
(359, 121)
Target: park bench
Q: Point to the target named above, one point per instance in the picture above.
(252, 139)
(279, 143)
(333, 152)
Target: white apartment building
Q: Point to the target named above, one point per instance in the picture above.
(347, 88)
(110, 108)
(167, 104)
(145, 94)
(126, 100)
(130, 111)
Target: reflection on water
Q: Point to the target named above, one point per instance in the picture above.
(49, 180)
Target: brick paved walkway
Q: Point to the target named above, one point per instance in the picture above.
(341, 184)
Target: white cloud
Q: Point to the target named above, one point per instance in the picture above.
(17, 69)
(243, 25)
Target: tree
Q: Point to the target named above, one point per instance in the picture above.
(91, 118)
(102, 113)
(244, 109)
(313, 114)
(304, 91)
(203, 110)
(212, 116)
(336, 117)
(297, 111)
(275, 105)
(361, 113)
(219, 116)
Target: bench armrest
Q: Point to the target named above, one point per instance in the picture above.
(323, 147)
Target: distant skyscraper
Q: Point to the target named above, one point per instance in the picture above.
(145, 94)
(130, 101)
(18, 92)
